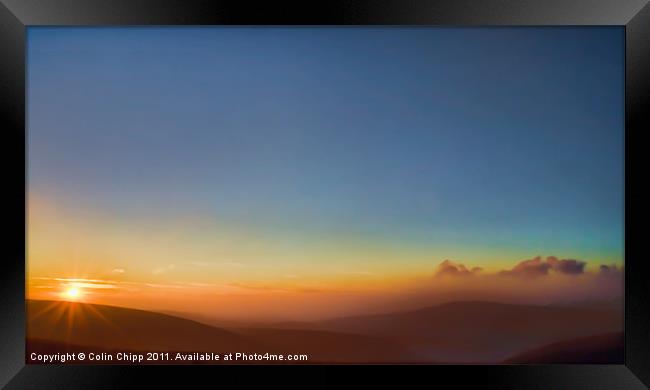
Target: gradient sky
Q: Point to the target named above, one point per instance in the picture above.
(256, 154)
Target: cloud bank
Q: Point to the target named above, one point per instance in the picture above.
(526, 269)
(537, 266)
(538, 280)
(449, 268)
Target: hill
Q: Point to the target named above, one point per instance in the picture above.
(459, 332)
(128, 329)
(479, 331)
(55, 326)
(599, 349)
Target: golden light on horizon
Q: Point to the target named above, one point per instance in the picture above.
(72, 294)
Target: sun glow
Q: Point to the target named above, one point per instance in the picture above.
(72, 294)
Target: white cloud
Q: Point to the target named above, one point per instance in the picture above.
(162, 270)
(234, 264)
(359, 273)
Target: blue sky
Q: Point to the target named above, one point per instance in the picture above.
(489, 139)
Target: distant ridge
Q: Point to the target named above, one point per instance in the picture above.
(479, 331)
(130, 329)
(102, 328)
(456, 332)
(599, 349)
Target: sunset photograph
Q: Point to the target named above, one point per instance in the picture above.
(325, 195)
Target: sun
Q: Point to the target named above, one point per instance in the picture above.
(72, 294)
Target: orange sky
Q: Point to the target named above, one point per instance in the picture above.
(190, 265)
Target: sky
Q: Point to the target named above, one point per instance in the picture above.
(249, 161)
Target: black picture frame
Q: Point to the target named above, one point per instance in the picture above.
(17, 15)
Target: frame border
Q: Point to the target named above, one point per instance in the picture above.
(634, 15)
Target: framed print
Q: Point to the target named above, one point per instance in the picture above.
(246, 190)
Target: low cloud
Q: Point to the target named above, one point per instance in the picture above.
(234, 264)
(449, 268)
(537, 266)
(566, 266)
(357, 273)
(537, 280)
(118, 270)
(531, 268)
(162, 270)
